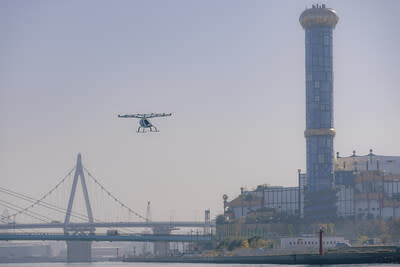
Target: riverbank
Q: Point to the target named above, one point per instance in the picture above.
(350, 256)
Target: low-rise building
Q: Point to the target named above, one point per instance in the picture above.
(366, 187)
(312, 242)
(285, 200)
(368, 194)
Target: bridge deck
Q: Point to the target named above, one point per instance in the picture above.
(94, 237)
(106, 225)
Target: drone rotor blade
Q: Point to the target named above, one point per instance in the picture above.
(154, 115)
(139, 116)
(147, 116)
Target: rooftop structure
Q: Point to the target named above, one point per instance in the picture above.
(319, 16)
(368, 162)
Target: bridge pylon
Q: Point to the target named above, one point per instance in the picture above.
(79, 251)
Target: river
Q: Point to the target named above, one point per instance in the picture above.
(135, 264)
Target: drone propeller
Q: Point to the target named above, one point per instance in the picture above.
(154, 115)
(146, 116)
(139, 116)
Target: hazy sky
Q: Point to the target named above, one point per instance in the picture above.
(231, 72)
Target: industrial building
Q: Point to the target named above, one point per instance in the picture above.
(282, 200)
(362, 191)
(366, 186)
(286, 200)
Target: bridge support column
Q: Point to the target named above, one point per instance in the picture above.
(161, 248)
(79, 251)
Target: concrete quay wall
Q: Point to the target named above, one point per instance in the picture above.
(388, 256)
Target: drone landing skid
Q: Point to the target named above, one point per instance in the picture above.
(151, 129)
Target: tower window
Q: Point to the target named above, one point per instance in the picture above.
(316, 84)
(326, 40)
(321, 158)
(316, 98)
(324, 107)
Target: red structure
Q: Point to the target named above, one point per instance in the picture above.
(321, 250)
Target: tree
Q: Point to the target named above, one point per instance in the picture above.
(245, 244)
(331, 228)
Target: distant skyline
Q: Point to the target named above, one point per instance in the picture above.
(231, 72)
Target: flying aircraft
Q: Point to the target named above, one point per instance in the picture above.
(144, 120)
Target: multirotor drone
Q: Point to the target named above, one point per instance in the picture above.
(144, 120)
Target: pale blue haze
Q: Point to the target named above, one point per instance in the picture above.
(232, 72)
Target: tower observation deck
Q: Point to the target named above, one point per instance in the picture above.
(318, 23)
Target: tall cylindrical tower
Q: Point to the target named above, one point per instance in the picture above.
(318, 23)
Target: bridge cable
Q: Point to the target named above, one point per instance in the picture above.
(33, 200)
(45, 195)
(16, 207)
(112, 196)
(4, 219)
(27, 198)
(27, 213)
(42, 203)
(23, 196)
(115, 199)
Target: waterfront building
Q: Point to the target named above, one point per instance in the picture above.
(244, 204)
(285, 200)
(362, 191)
(366, 186)
(312, 242)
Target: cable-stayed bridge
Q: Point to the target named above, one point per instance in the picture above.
(79, 225)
